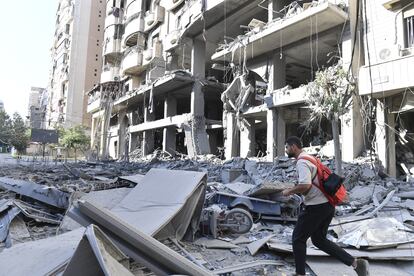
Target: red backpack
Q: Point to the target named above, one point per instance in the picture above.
(330, 183)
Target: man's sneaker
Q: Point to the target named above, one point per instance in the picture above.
(362, 268)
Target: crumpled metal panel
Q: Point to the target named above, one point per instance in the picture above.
(45, 194)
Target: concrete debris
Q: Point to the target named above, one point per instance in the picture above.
(247, 265)
(374, 233)
(152, 211)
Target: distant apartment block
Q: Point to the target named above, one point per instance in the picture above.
(36, 112)
(76, 61)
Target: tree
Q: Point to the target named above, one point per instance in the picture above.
(330, 96)
(19, 137)
(74, 138)
(6, 127)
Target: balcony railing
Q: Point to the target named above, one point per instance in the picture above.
(132, 29)
(132, 62)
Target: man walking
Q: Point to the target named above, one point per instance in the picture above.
(316, 215)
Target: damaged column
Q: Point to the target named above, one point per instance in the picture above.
(147, 135)
(351, 123)
(232, 141)
(276, 126)
(196, 135)
(385, 137)
(247, 138)
(122, 132)
(169, 133)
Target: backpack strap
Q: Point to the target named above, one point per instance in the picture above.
(315, 162)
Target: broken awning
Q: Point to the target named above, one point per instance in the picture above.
(166, 203)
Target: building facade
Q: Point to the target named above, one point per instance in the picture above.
(385, 77)
(230, 77)
(76, 61)
(199, 77)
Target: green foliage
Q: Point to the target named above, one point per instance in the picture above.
(73, 138)
(20, 137)
(5, 128)
(330, 93)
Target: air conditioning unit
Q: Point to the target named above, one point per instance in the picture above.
(154, 52)
(171, 40)
(154, 17)
(389, 53)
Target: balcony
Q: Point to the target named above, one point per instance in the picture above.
(132, 32)
(94, 102)
(285, 32)
(112, 47)
(171, 5)
(387, 77)
(133, 7)
(286, 96)
(132, 62)
(113, 19)
(152, 18)
(110, 74)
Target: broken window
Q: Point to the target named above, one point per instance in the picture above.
(409, 27)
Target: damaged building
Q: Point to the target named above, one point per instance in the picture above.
(230, 77)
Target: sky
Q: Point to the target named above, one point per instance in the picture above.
(26, 30)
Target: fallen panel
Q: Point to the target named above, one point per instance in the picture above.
(238, 187)
(97, 255)
(40, 256)
(135, 178)
(214, 243)
(106, 198)
(242, 266)
(267, 188)
(330, 266)
(167, 203)
(5, 219)
(45, 194)
(36, 214)
(403, 252)
(256, 245)
(141, 247)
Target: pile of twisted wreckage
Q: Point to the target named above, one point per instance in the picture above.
(167, 215)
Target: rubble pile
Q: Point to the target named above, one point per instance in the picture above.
(176, 215)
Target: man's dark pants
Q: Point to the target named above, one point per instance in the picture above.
(313, 222)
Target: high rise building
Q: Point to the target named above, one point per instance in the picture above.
(76, 60)
(37, 107)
